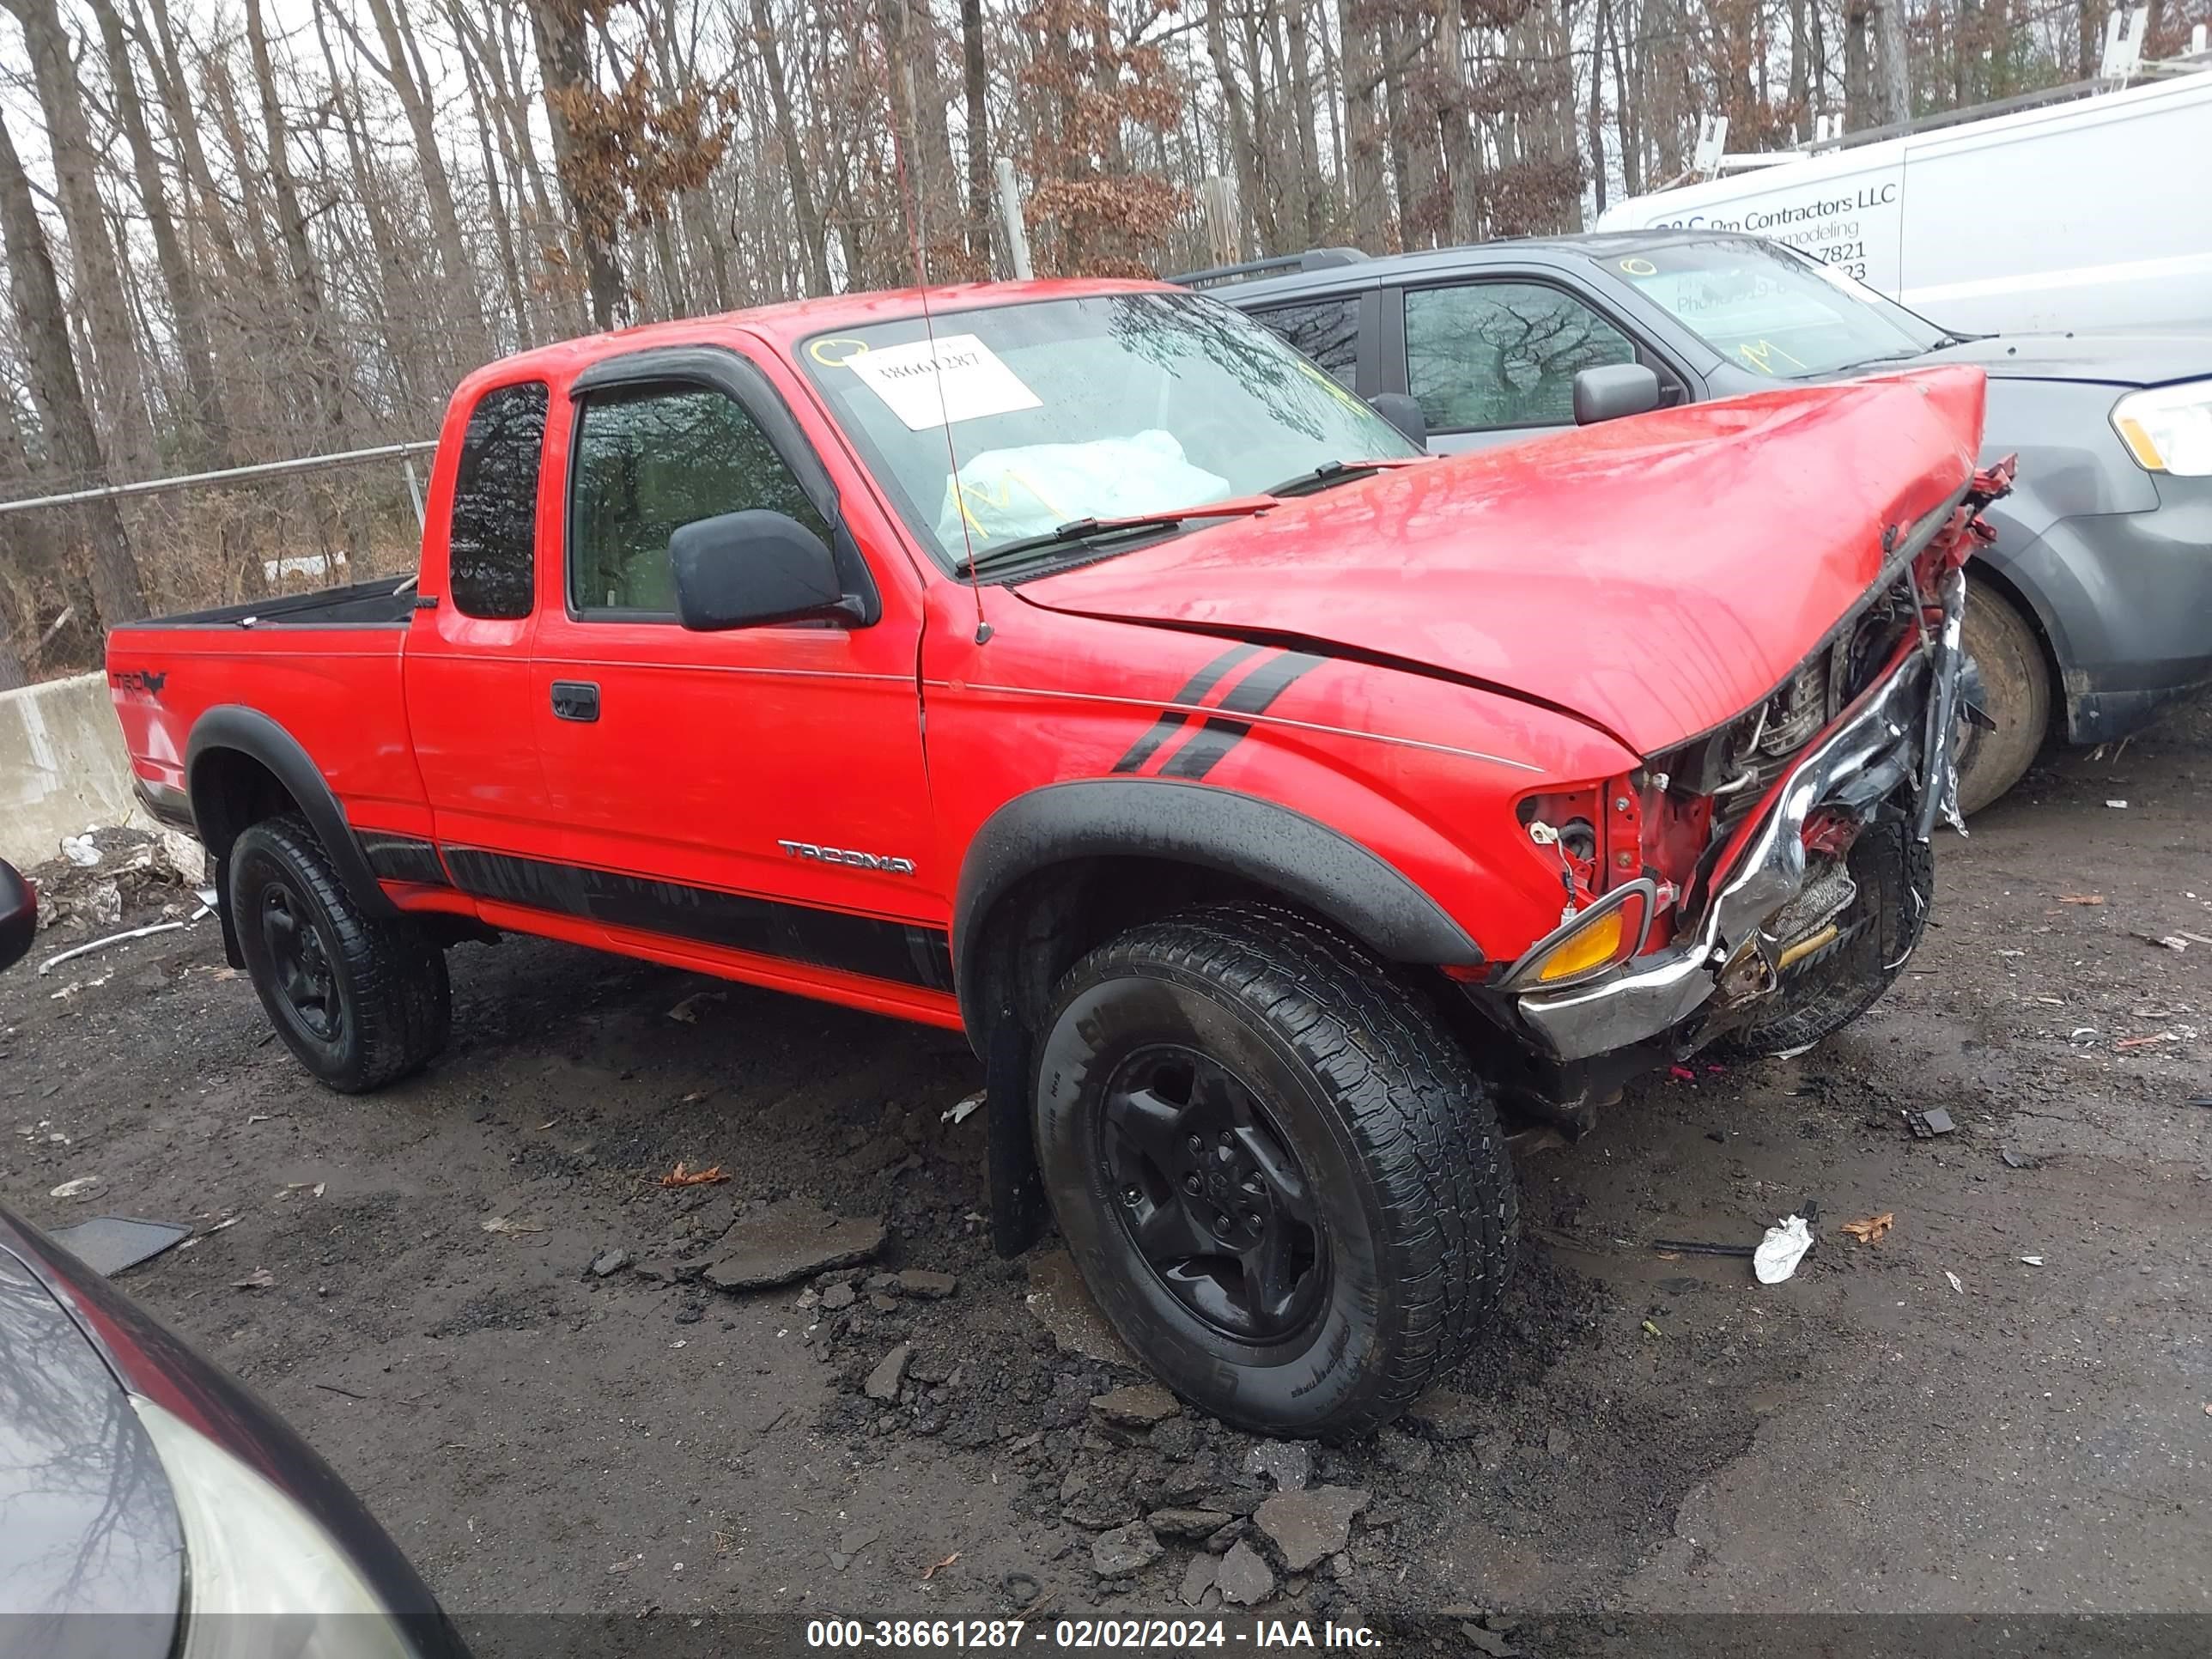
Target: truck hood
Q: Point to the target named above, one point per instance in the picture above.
(1656, 576)
(2104, 358)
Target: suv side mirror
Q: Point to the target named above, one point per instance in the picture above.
(18, 916)
(1400, 409)
(749, 568)
(1608, 392)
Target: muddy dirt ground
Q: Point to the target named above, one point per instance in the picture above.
(1930, 1423)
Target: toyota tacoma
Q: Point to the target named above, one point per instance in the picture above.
(1076, 666)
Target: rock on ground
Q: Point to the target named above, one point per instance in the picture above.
(883, 1381)
(1188, 1523)
(790, 1240)
(1288, 1463)
(1124, 1551)
(1137, 1406)
(1243, 1578)
(1306, 1528)
(925, 1285)
(1198, 1578)
(1064, 1307)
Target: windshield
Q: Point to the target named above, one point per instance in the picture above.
(1771, 310)
(1111, 407)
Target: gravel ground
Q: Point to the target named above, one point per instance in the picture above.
(1932, 1423)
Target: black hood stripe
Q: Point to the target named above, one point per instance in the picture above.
(1174, 720)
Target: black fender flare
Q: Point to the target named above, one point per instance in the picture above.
(1314, 866)
(236, 728)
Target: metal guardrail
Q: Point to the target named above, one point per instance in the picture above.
(401, 452)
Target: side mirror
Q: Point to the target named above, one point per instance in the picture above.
(1400, 409)
(18, 916)
(747, 570)
(1613, 390)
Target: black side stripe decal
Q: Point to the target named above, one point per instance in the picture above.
(1219, 735)
(1174, 720)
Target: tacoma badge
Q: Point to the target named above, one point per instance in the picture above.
(807, 849)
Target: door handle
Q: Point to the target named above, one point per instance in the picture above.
(575, 700)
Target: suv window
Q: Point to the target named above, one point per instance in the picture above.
(649, 462)
(1503, 353)
(491, 540)
(1327, 331)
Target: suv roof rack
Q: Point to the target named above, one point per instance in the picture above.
(1314, 258)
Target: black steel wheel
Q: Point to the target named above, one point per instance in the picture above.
(359, 1000)
(1213, 1198)
(1281, 1179)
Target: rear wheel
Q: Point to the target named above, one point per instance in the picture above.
(361, 1000)
(2015, 695)
(1281, 1180)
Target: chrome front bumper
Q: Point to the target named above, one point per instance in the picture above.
(1899, 734)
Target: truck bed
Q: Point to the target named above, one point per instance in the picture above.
(385, 602)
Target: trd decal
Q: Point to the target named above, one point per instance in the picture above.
(1203, 750)
(145, 681)
(807, 849)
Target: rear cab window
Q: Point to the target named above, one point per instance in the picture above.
(649, 461)
(491, 539)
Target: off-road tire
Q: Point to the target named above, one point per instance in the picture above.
(2016, 694)
(1825, 993)
(1395, 1133)
(393, 1002)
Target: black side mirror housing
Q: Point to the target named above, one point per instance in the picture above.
(1403, 411)
(18, 916)
(748, 569)
(1613, 390)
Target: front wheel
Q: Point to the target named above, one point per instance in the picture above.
(2015, 695)
(1854, 958)
(1282, 1180)
(361, 1000)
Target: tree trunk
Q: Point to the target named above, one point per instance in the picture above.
(1319, 210)
(564, 60)
(118, 373)
(502, 221)
(393, 27)
(812, 241)
(43, 336)
(324, 374)
(211, 428)
(1463, 169)
(1596, 118)
(1800, 88)
(974, 86)
(1891, 48)
(1243, 152)
(1859, 81)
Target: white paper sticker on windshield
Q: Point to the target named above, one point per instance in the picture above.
(958, 378)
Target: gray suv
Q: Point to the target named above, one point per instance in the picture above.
(2093, 607)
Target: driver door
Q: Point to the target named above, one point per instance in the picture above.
(702, 775)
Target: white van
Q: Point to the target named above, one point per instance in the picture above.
(2094, 214)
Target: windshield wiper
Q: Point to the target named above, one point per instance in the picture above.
(1329, 474)
(1094, 533)
(1885, 357)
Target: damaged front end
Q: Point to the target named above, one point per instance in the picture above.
(1776, 870)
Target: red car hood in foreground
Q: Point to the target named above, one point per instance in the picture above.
(1655, 575)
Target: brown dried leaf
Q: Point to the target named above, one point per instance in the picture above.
(680, 1176)
(1870, 1230)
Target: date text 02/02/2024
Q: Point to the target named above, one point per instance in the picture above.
(1173, 1635)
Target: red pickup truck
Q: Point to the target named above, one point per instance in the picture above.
(1075, 665)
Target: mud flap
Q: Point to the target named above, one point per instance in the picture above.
(1018, 1210)
(231, 953)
